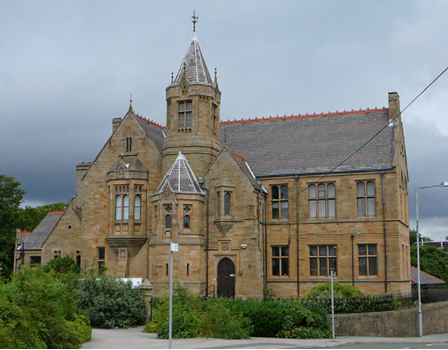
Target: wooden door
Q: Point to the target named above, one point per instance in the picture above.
(226, 278)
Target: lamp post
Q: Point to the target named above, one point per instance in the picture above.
(420, 319)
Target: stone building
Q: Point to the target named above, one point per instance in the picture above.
(271, 202)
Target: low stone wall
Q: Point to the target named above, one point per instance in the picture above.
(400, 323)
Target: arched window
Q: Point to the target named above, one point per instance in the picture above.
(167, 269)
(168, 222)
(227, 203)
(187, 221)
(118, 205)
(188, 269)
(126, 207)
(137, 207)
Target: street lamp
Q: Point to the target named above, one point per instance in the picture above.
(420, 320)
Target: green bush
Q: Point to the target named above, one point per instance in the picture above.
(348, 299)
(110, 302)
(195, 318)
(236, 319)
(44, 308)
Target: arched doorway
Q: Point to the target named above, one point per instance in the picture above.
(226, 278)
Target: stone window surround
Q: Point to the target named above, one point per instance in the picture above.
(327, 199)
(131, 192)
(316, 259)
(281, 202)
(370, 258)
(280, 260)
(185, 115)
(364, 209)
(221, 192)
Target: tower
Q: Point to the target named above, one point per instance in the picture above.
(193, 112)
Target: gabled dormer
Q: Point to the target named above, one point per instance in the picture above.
(193, 113)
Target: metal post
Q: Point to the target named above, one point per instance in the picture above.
(420, 317)
(332, 304)
(171, 301)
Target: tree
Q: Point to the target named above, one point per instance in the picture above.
(433, 260)
(29, 217)
(10, 198)
(413, 237)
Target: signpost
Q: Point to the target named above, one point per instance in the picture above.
(333, 274)
(174, 248)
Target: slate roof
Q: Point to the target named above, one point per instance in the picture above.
(312, 145)
(194, 65)
(425, 278)
(181, 178)
(154, 131)
(39, 235)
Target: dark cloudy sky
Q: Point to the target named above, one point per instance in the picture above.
(67, 69)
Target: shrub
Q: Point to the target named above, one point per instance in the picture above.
(110, 302)
(43, 306)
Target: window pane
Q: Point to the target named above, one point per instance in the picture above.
(312, 191)
(284, 192)
(186, 221)
(372, 249)
(333, 265)
(331, 190)
(322, 213)
(363, 266)
(189, 106)
(101, 253)
(321, 190)
(218, 196)
(188, 119)
(100, 266)
(323, 250)
(313, 250)
(168, 221)
(181, 121)
(373, 271)
(227, 203)
(126, 207)
(370, 206)
(275, 267)
(323, 267)
(361, 207)
(118, 208)
(362, 250)
(137, 206)
(275, 251)
(313, 267)
(284, 210)
(285, 267)
(360, 190)
(181, 106)
(275, 211)
(331, 208)
(275, 192)
(285, 251)
(370, 188)
(332, 250)
(313, 213)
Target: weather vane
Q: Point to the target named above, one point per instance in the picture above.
(195, 20)
(130, 99)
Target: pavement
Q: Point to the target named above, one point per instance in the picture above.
(134, 338)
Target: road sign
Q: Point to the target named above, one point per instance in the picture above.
(175, 247)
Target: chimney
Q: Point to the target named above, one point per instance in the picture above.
(115, 124)
(394, 105)
(81, 169)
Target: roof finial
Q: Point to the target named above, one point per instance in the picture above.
(130, 104)
(195, 20)
(172, 77)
